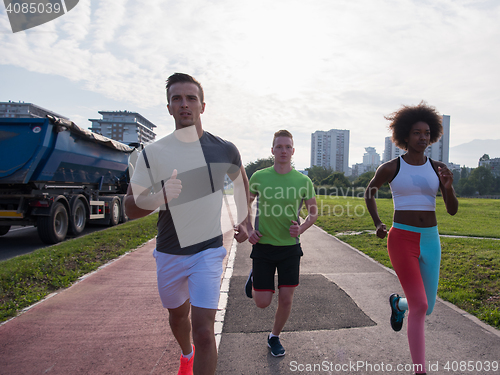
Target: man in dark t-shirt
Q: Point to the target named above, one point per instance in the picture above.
(183, 175)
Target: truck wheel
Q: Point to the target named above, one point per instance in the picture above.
(52, 229)
(78, 217)
(124, 217)
(4, 229)
(114, 212)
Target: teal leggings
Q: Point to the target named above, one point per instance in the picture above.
(415, 254)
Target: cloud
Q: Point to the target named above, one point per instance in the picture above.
(76, 25)
(108, 17)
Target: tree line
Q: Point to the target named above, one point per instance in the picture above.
(326, 181)
(468, 182)
(479, 181)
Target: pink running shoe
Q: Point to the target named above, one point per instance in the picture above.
(186, 367)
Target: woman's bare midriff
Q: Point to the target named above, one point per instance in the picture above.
(420, 219)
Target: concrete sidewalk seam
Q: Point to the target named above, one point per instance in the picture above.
(157, 362)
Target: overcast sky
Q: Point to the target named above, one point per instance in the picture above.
(267, 65)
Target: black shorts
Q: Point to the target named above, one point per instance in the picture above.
(268, 258)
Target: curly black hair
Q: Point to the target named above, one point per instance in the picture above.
(403, 119)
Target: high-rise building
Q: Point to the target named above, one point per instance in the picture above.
(371, 161)
(371, 158)
(441, 149)
(330, 149)
(391, 151)
(12, 109)
(124, 126)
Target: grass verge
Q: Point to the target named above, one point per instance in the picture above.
(27, 279)
(475, 217)
(470, 267)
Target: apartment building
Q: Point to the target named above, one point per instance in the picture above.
(124, 126)
(330, 149)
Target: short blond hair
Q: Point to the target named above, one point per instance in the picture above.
(282, 133)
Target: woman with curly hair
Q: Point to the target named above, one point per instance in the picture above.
(413, 240)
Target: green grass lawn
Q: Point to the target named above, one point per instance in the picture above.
(470, 267)
(475, 217)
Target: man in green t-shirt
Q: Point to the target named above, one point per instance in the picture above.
(280, 191)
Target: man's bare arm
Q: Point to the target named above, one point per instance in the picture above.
(241, 193)
(140, 202)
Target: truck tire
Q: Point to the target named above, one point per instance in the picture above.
(115, 209)
(4, 229)
(78, 217)
(53, 228)
(124, 217)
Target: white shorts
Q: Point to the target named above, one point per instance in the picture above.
(190, 277)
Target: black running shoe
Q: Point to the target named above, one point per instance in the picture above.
(397, 315)
(249, 285)
(277, 350)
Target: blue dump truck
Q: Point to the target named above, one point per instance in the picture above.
(58, 177)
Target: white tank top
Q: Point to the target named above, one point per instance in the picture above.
(414, 187)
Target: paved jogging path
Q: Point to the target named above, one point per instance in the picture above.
(455, 340)
(112, 322)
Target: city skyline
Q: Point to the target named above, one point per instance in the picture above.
(330, 149)
(116, 121)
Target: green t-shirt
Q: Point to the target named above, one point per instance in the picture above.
(279, 199)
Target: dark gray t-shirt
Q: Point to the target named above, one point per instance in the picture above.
(192, 222)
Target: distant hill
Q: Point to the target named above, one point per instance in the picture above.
(468, 154)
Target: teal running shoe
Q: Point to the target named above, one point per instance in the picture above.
(397, 315)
